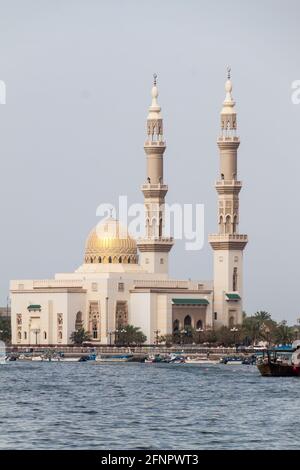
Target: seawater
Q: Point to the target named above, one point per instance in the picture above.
(146, 406)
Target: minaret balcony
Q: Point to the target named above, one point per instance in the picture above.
(228, 138)
(228, 186)
(154, 190)
(228, 241)
(155, 244)
(155, 143)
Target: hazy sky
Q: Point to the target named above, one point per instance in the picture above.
(78, 77)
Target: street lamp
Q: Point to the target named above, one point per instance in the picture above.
(117, 334)
(234, 330)
(199, 330)
(182, 334)
(156, 332)
(110, 333)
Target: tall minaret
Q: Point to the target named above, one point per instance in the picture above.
(228, 244)
(154, 247)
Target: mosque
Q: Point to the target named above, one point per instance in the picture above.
(126, 281)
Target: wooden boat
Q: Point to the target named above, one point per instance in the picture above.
(273, 369)
(280, 362)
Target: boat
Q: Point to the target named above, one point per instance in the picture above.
(114, 358)
(280, 362)
(231, 360)
(199, 360)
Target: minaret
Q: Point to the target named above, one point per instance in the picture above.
(228, 244)
(154, 247)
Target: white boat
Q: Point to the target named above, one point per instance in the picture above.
(37, 358)
(190, 360)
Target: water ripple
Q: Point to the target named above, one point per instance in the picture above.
(142, 406)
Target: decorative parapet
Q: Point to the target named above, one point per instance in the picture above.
(233, 241)
(55, 283)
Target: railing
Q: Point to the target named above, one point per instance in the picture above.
(154, 143)
(155, 186)
(228, 183)
(228, 237)
(155, 239)
(44, 283)
(162, 283)
(228, 138)
(136, 350)
(173, 284)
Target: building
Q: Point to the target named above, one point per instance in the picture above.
(125, 281)
(5, 312)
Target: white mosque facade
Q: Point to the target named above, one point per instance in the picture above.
(125, 281)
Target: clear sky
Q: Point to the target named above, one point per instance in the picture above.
(78, 77)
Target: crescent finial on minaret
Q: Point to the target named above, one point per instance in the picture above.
(229, 72)
(154, 79)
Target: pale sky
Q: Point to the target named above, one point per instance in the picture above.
(78, 77)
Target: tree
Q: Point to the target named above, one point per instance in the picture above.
(130, 335)
(262, 316)
(5, 330)
(284, 334)
(80, 336)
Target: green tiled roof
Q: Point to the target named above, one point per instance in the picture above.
(34, 307)
(233, 297)
(190, 301)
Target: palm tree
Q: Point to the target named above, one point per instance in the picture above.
(131, 334)
(80, 336)
(284, 334)
(262, 316)
(5, 330)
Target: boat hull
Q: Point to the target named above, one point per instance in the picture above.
(278, 370)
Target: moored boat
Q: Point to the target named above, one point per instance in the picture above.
(280, 362)
(114, 358)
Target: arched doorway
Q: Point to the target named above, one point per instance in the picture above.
(176, 326)
(187, 321)
(199, 325)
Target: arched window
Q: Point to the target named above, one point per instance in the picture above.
(129, 260)
(45, 335)
(160, 228)
(199, 325)
(154, 225)
(234, 224)
(227, 224)
(234, 279)
(92, 260)
(176, 326)
(110, 259)
(221, 229)
(99, 259)
(78, 321)
(231, 322)
(19, 335)
(222, 176)
(187, 321)
(95, 330)
(60, 335)
(25, 334)
(120, 259)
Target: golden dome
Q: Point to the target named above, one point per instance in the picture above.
(109, 242)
